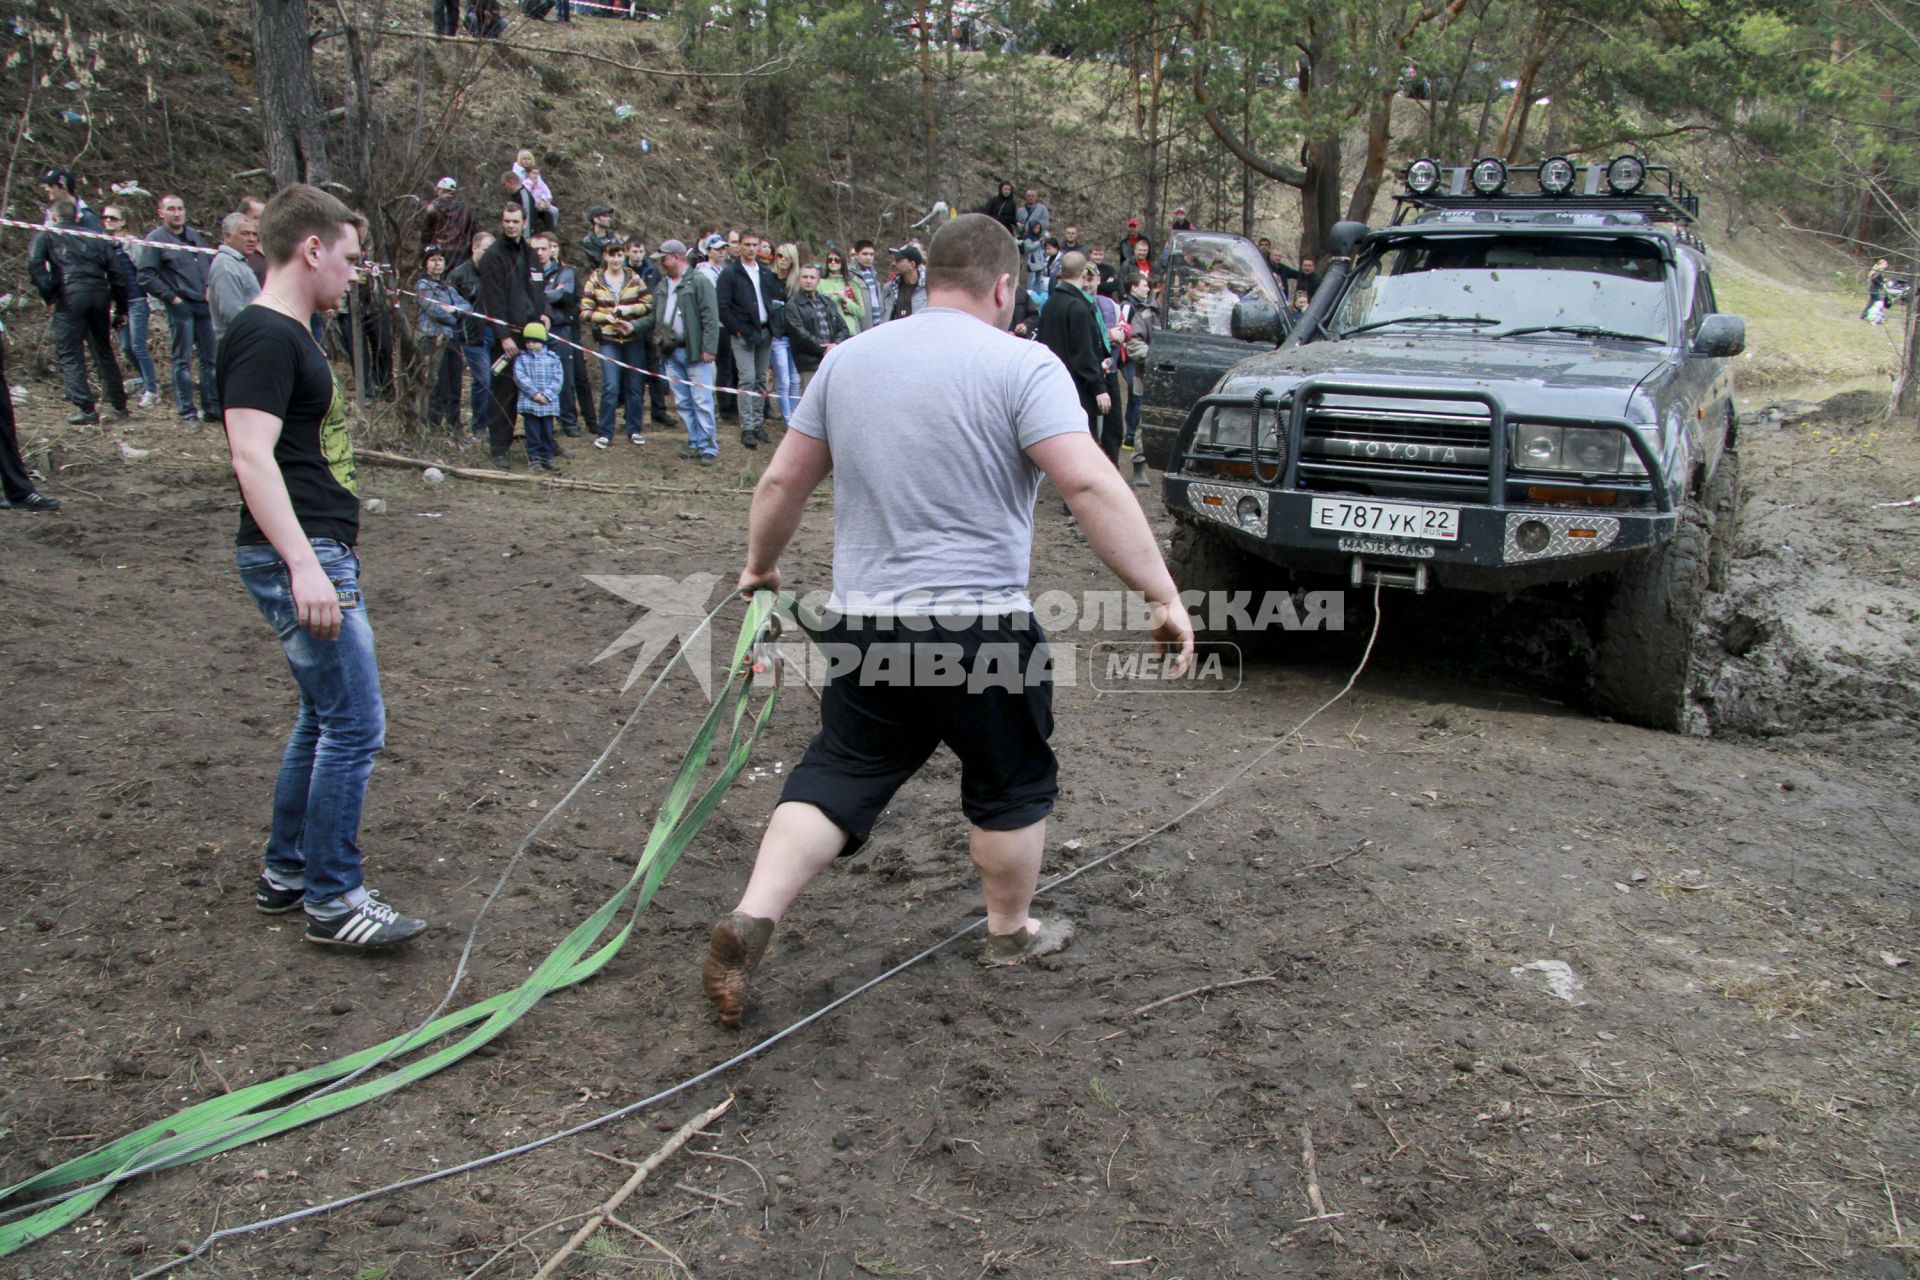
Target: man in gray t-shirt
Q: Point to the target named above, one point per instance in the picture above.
(936, 429)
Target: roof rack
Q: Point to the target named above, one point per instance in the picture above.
(1674, 204)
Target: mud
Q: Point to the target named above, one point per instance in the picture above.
(1729, 1093)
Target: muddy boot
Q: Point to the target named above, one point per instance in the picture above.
(733, 952)
(1054, 934)
(1140, 471)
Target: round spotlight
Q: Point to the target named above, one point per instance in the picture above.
(1423, 177)
(1625, 174)
(1489, 176)
(1248, 511)
(1532, 537)
(1556, 176)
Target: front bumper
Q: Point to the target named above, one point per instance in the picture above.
(1500, 545)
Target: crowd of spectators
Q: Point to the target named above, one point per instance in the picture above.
(714, 333)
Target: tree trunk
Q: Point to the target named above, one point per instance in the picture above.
(1366, 188)
(1906, 388)
(283, 59)
(1319, 196)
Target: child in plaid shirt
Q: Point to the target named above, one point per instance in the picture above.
(540, 376)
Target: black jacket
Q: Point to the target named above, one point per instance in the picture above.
(465, 278)
(813, 320)
(69, 268)
(535, 219)
(1004, 210)
(738, 315)
(175, 273)
(508, 289)
(561, 290)
(1068, 325)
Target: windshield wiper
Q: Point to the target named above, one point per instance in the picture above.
(1427, 319)
(1580, 330)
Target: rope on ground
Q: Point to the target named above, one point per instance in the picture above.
(384, 458)
(247, 1115)
(787, 1032)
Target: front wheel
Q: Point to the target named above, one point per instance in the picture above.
(1649, 628)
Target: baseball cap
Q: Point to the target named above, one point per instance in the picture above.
(910, 253)
(57, 178)
(712, 242)
(447, 184)
(1133, 224)
(673, 246)
(1179, 208)
(600, 211)
(534, 332)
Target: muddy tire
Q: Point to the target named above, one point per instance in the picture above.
(1648, 629)
(1203, 563)
(1722, 502)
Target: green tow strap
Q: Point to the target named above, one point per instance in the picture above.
(250, 1114)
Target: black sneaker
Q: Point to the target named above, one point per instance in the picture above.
(747, 440)
(84, 418)
(370, 925)
(275, 902)
(210, 415)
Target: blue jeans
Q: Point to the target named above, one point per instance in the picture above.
(190, 325)
(341, 726)
(695, 402)
(539, 434)
(133, 341)
(786, 378)
(622, 386)
(480, 367)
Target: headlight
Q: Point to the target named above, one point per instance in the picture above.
(1600, 451)
(1229, 425)
(1423, 177)
(1489, 176)
(1625, 174)
(1556, 176)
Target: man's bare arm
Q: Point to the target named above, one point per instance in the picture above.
(799, 465)
(1117, 530)
(251, 435)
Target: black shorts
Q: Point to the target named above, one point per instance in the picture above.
(897, 692)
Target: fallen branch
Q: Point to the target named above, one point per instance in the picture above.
(1201, 991)
(1334, 862)
(1320, 1213)
(606, 1212)
(384, 458)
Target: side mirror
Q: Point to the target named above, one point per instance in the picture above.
(1257, 320)
(1720, 336)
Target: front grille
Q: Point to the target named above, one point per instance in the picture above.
(1351, 442)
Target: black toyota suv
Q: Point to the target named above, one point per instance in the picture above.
(1523, 381)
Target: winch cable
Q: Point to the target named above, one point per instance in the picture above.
(791, 1029)
(236, 1118)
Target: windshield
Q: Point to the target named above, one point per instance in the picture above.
(1207, 272)
(1492, 286)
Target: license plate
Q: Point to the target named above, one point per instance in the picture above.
(1386, 519)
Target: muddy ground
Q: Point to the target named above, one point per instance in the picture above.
(1728, 1093)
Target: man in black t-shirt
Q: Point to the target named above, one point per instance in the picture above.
(299, 521)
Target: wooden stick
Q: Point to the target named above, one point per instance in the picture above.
(1313, 1182)
(917, 1198)
(550, 482)
(606, 1211)
(1200, 991)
